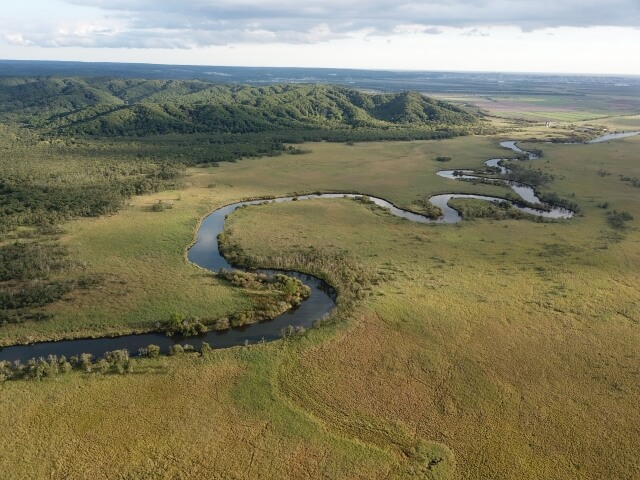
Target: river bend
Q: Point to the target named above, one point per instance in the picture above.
(206, 254)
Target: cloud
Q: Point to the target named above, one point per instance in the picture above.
(17, 39)
(432, 31)
(199, 23)
(474, 32)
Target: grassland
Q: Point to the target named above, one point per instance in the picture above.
(622, 123)
(488, 349)
(531, 364)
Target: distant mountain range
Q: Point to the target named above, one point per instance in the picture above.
(379, 80)
(125, 106)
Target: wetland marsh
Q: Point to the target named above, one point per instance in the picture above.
(483, 349)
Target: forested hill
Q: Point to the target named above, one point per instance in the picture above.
(126, 107)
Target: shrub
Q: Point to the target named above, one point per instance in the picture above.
(297, 150)
(161, 206)
(119, 360)
(151, 351)
(85, 361)
(222, 323)
(290, 331)
(178, 324)
(428, 209)
(618, 220)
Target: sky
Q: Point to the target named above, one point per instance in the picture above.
(551, 36)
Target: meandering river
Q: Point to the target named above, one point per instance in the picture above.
(206, 254)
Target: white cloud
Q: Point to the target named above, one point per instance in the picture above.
(17, 39)
(182, 24)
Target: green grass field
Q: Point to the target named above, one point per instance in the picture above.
(487, 349)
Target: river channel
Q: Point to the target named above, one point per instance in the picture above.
(205, 253)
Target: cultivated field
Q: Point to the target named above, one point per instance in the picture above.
(560, 107)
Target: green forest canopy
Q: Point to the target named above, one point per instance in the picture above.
(100, 106)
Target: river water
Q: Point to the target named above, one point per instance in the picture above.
(613, 136)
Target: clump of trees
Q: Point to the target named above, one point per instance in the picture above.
(178, 349)
(30, 260)
(291, 331)
(15, 299)
(178, 324)
(369, 203)
(292, 289)
(528, 176)
(234, 253)
(471, 209)
(365, 200)
(553, 198)
(276, 294)
(241, 279)
(116, 361)
(150, 351)
(30, 274)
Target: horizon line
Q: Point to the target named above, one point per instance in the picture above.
(549, 73)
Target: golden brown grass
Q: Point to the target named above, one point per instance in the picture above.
(512, 343)
(176, 420)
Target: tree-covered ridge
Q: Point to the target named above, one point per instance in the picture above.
(99, 106)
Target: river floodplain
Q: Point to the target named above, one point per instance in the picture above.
(485, 349)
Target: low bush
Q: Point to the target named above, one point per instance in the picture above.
(618, 220)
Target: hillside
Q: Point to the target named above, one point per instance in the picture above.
(125, 107)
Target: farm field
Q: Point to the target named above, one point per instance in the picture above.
(561, 107)
(487, 349)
